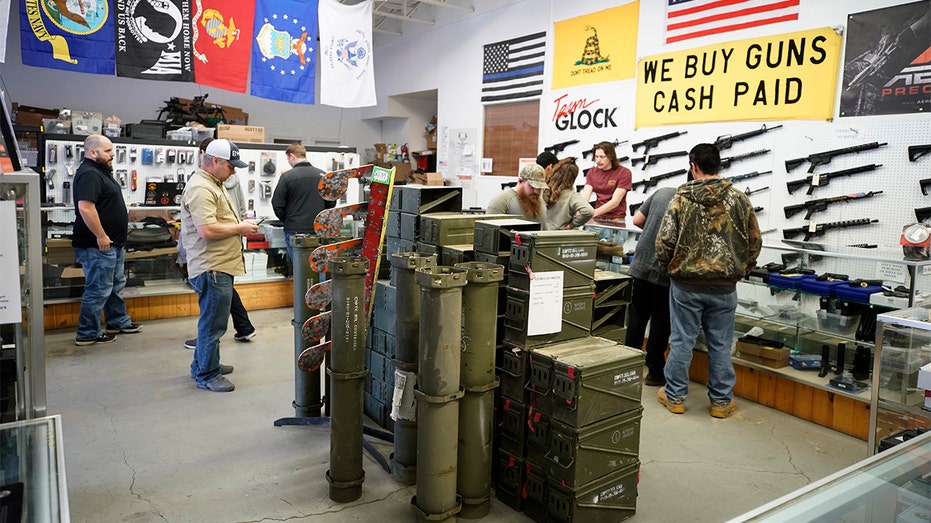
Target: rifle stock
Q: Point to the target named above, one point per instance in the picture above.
(917, 151)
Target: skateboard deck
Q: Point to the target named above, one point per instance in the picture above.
(322, 254)
(316, 328)
(329, 222)
(333, 184)
(318, 296)
(312, 357)
(372, 239)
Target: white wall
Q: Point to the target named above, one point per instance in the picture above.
(450, 60)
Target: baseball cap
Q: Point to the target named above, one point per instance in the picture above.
(534, 175)
(225, 150)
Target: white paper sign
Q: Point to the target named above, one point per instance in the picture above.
(544, 315)
(11, 310)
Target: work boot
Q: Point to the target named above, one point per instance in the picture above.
(676, 406)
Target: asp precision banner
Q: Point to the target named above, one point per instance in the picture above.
(791, 76)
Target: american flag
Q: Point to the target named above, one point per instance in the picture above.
(513, 69)
(687, 19)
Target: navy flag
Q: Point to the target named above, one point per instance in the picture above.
(72, 35)
(154, 40)
(284, 52)
(513, 69)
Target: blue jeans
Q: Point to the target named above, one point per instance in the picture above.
(287, 241)
(214, 296)
(103, 280)
(714, 314)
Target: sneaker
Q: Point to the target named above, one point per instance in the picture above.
(721, 409)
(190, 344)
(218, 384)
(674, 406)
(132, 328)
(244, 337)
(103, 338)
(653, 380)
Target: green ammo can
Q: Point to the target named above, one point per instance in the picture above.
(594, 385)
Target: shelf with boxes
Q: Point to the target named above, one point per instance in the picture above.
(806, 296)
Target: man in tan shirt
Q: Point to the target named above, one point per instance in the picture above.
(211, 233)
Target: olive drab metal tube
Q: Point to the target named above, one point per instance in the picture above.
(347, 372)
(407, 332)
(307, 401)
(477, 378)
(438, 392)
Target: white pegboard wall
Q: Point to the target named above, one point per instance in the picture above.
(266, 164)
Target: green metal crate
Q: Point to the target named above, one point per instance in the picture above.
(493, 235)
(610, 499)
(594, 385)
(450, 228)
(572, 252)
(576, 320)
(580, 456)
(540, 380)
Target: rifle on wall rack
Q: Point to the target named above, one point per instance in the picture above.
(725, 141)
(649, 183)
(726, 162)
(820, 228)
(821, 204)
(825, 157)
(746, 176)
(820, 180)
(650, 143)
(557, 148)
(917, 151)
(650, 159)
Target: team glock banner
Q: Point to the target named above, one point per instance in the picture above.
(154, 40)
(597, 47)
(221, 38)
(782, 77)
(72, 36)
(888, 60)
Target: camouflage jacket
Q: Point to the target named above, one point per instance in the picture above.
(709, 234)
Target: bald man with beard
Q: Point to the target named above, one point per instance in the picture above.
(524, 199)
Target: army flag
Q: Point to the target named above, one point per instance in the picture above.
(69, 35)
(597, 47)
(347, 76)
(222, 33)
(154, 40)
(284, 50)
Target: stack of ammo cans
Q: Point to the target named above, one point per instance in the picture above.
(408, 203)
(380, 350)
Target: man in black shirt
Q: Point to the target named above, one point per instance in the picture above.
(100, 226)
(297, 201)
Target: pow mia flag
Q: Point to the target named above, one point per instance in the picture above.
(153, 40)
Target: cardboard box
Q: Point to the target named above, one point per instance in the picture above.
(767, 356)
(241, 133)
(428, 178)
(402, 171)
(60, 251)
(431, 139)
(27, 115)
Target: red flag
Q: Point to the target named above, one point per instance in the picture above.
(222, 43)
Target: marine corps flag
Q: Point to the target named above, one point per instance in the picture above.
(284, 50)
(154, 40)
(68, 35)
(221, 43)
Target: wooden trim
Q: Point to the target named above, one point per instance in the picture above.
(255, 296)
(829, 409)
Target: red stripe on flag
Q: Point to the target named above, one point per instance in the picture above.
(705, 7)
(734, 27)
(735, 14)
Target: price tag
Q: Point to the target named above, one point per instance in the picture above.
(812, 226)
(815, 180)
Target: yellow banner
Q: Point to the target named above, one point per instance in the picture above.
(594, 48)
(782, 77)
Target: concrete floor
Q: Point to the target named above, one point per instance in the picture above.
(143, 444)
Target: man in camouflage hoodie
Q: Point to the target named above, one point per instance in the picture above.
(709, 239)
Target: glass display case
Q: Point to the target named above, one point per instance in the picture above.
(903, 340)
(814, 298)
(892, 486)
(32, 471)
